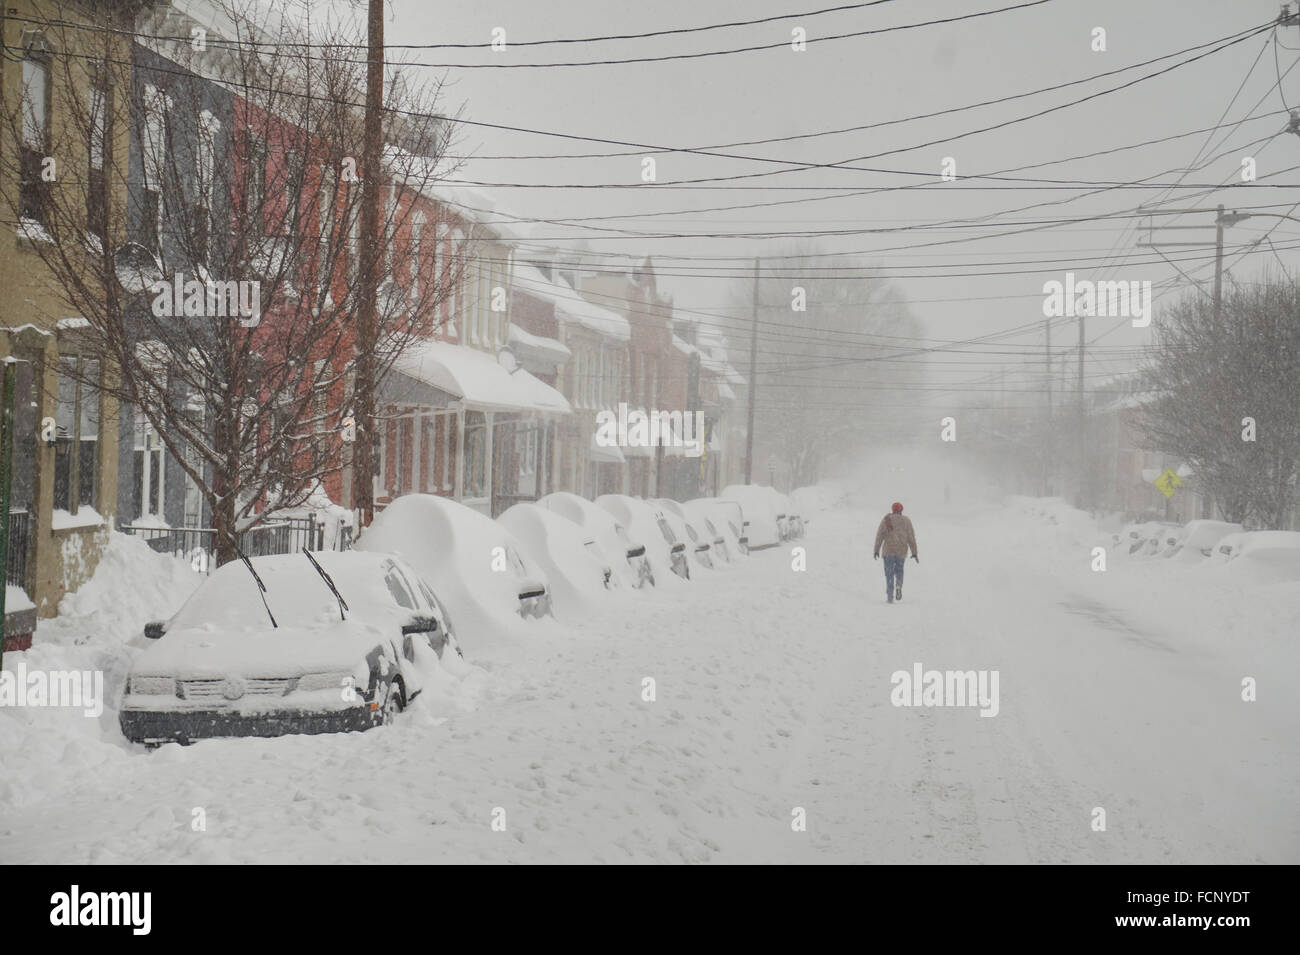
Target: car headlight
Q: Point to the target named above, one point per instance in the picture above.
(325, 681)
(152, 685)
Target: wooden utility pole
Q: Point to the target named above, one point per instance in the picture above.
(363, 453)
(1048, 434)
(1082, 502)
(753, 378)
(6, 460)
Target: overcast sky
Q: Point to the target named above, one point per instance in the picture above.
(856, 81)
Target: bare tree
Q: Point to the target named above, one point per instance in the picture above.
(831, 342)
(1227, 390)
(204, 223)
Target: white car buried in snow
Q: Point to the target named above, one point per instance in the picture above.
(763, 521)
(482, 573)
(296, 643)
(645, 521)
(602, 531)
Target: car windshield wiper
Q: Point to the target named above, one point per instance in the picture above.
(260, 586)
(329, 582)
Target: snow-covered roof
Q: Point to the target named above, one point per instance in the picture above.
(556, 351)
(686, 348)
(530, 280)
(574, 308)
(478, 379)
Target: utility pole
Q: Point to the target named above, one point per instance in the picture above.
(1047, 432)
(753, 378)
(6, 460)
(363, 488)
(1083, 423)
(1218, 264)
(1222, 220)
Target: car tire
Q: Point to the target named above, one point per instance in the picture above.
(393, 704)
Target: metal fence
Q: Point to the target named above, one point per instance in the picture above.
(20, 532)
(199, 544)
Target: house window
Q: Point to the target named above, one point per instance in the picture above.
(454, 277)
(205, 162)
(448, 451)
(36, 87)
(439, 237)
(95, 187)
(325, 213)
(255, 208)
(417, 227)
(320, 385)
(390, 232)
(292, 192)
(474, 471)
(150, 470)
(76, 457)
(354, 236)
(154, 148)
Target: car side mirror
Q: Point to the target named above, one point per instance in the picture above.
(154, 629)
(420, 625)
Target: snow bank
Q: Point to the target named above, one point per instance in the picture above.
(99, 628)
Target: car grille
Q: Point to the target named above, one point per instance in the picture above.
(215, 689)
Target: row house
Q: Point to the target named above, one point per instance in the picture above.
(634, 292)
(464, 415)
(63, 467)
(593, 372)
(183, 126)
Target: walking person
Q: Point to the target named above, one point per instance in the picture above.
(896, 535)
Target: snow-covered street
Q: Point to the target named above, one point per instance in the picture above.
(1119, 690)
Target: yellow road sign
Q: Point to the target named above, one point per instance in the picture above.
(1167, 482)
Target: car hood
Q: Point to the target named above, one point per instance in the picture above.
(285, 651)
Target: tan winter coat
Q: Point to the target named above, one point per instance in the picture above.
(896, 533)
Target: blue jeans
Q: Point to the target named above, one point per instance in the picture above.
(893, 572)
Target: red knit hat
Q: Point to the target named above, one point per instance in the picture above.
(897, 508)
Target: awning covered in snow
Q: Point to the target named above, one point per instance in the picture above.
(478, 379)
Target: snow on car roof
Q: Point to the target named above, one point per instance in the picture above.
(295, 592)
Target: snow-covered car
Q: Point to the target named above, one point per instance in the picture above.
(1274, 547)
(576, 569)
(705, 514)
(810, 499)
(762, 526)
(1147, 538)
(295, 643)
(478, 567)
(699, 540)
(727, 517)
(1201, 537)
(646, 522)
(600, 529)
(794, 528)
